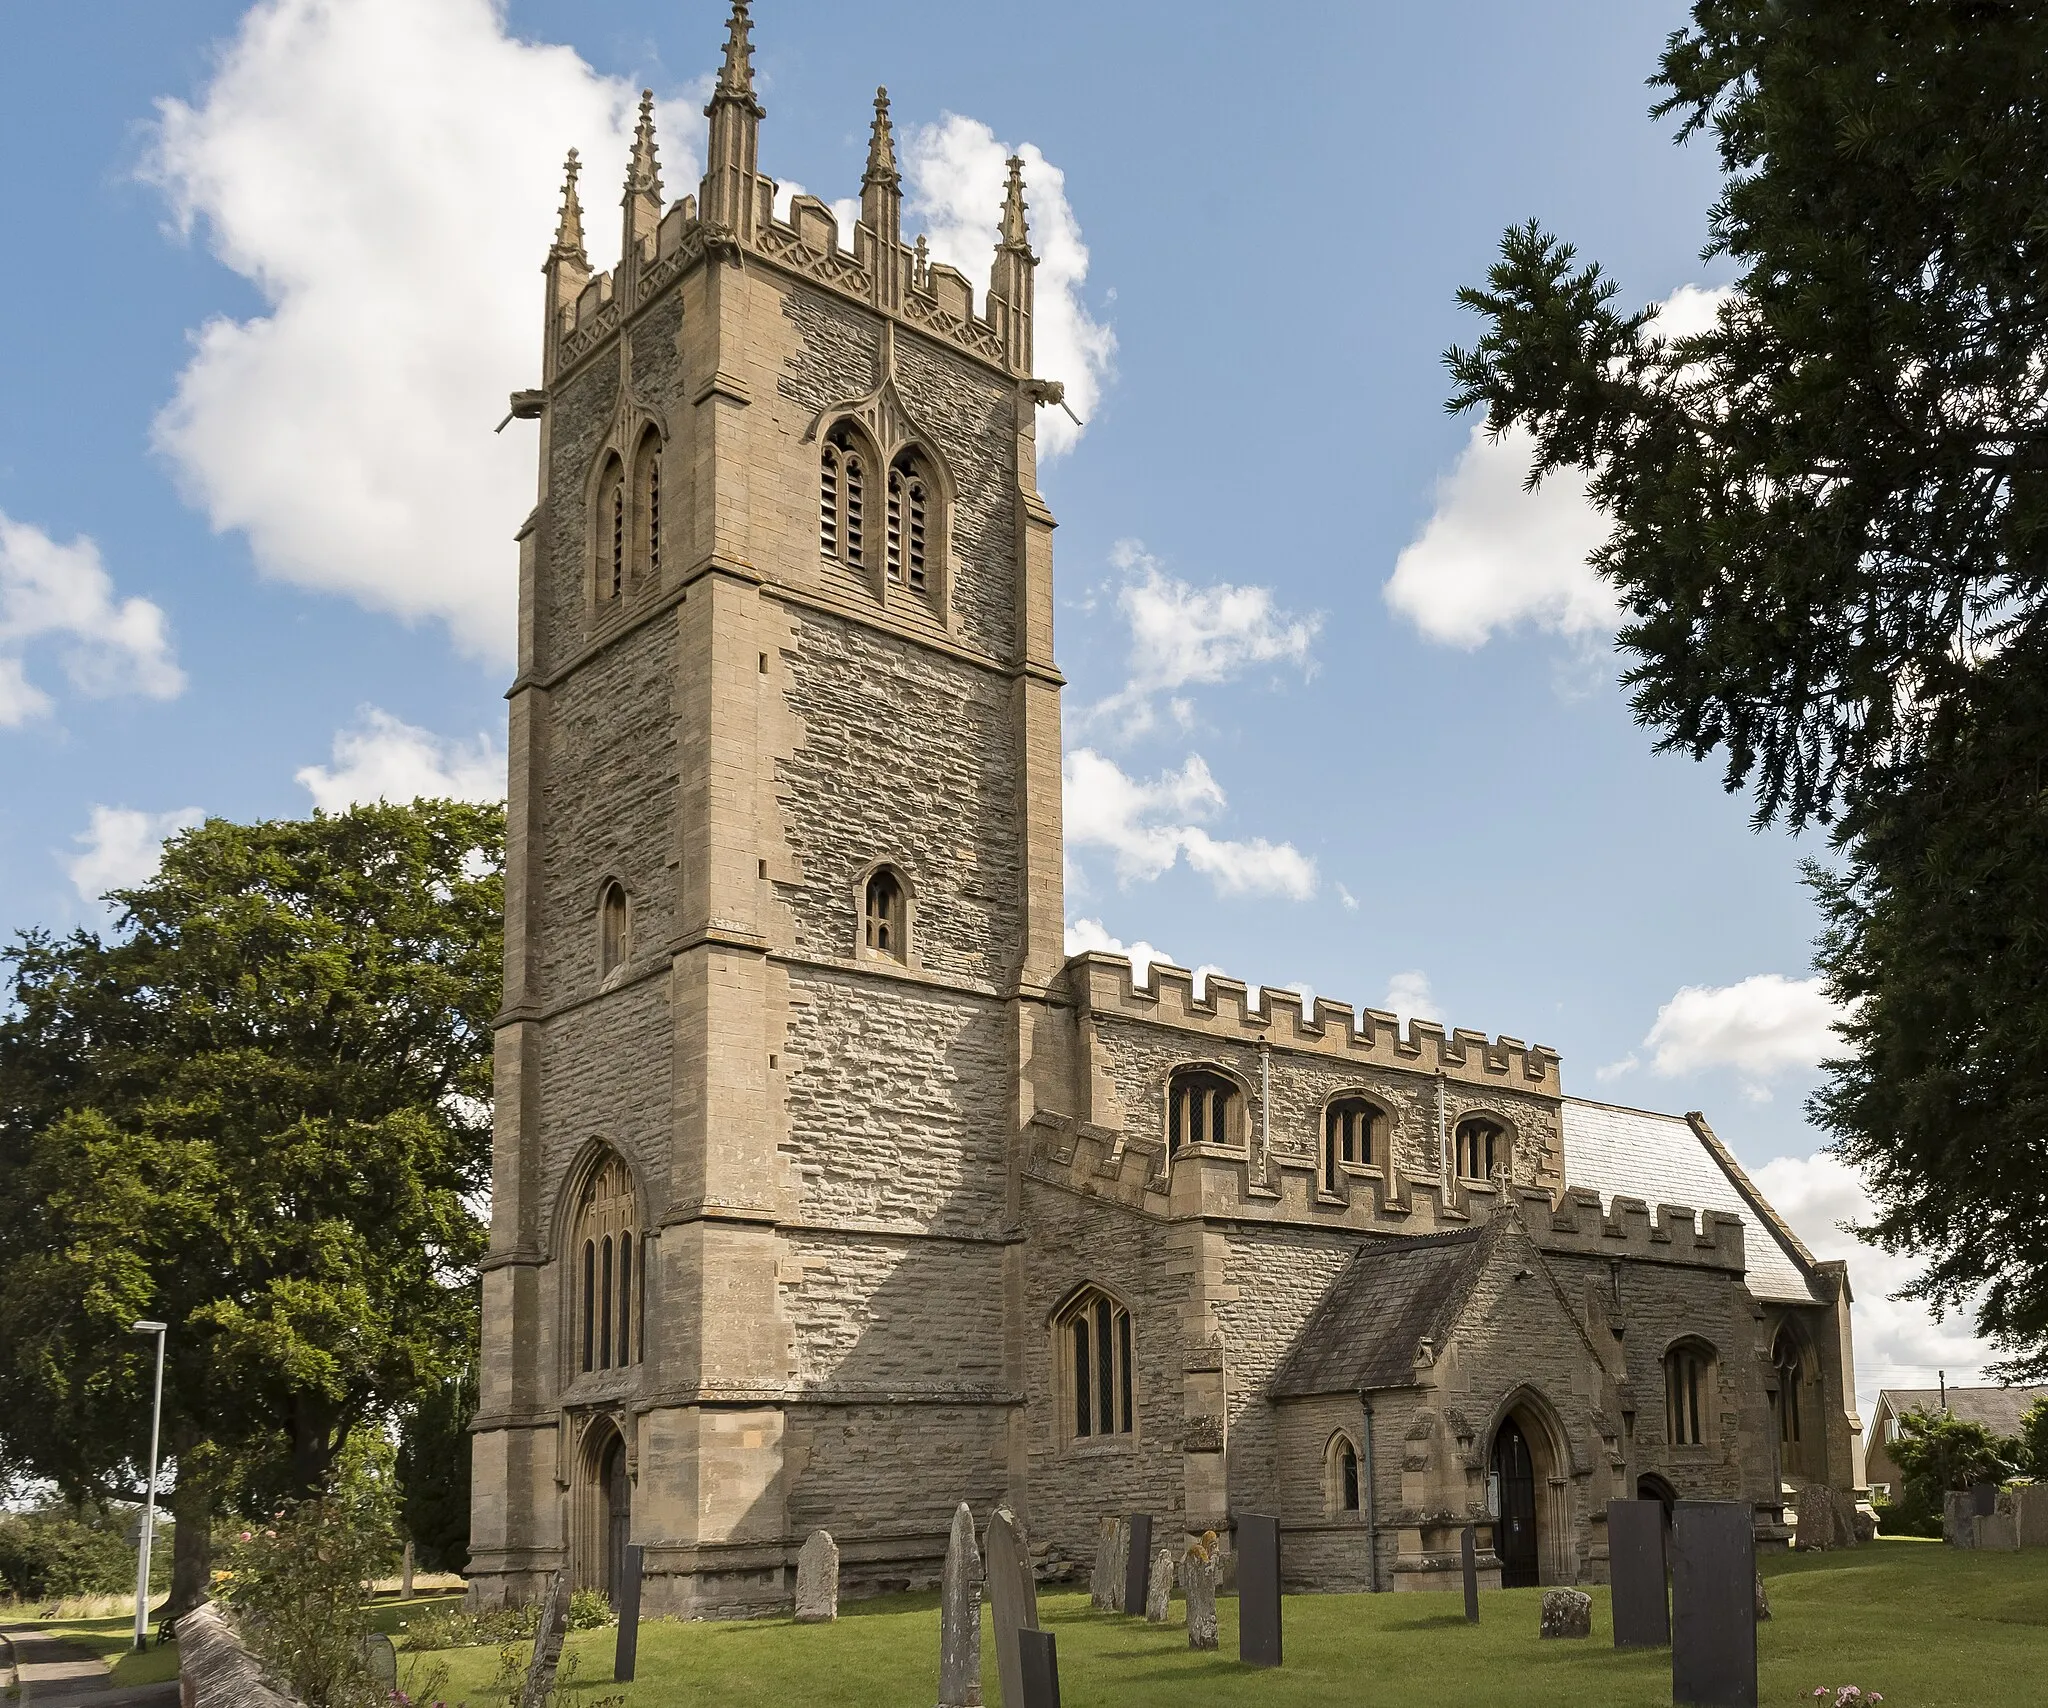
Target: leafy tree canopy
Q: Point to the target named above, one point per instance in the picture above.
(1830, 540)
(258, 1112)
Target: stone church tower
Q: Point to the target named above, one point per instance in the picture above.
(783, 889)
(829, 1192)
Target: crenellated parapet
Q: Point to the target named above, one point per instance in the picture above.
(1577, 1225)
(1104, 985)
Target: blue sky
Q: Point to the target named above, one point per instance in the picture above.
(1342, 708)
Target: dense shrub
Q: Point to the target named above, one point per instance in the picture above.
(61, 1550)
(453, 1626)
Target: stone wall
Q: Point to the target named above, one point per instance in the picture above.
(215, 1670)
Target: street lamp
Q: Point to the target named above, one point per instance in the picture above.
(156, 1412)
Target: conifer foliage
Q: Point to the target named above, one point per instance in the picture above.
(1830, 540)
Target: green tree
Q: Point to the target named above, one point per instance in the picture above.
(1937, 1452)
(259, 1113)
(67, 1548)
(1829, 512)
(433, 1472)
(2034, 1440)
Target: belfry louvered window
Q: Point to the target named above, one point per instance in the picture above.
(647, 488)
(910, 523)
(1095, 1333)
(611, 531)
(842, 497)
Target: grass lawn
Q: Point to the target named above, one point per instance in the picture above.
(1922, 1623)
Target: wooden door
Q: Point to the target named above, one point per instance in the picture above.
(1514, 1533)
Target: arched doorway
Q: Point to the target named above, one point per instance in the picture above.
(618, 1491)
(603, 1511)
(1650, 1486)
(1515, 1537)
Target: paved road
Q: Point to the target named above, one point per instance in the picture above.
(54, 1673)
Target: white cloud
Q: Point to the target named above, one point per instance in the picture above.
(1765, 1025)
(121, 848)
(1410, 997)
(386, 174)
(62, 593)
(385, 759)
(1349, 900)
(1183, 635)
(956, 171)
(1084, 935)
(1495, 557)
(1898, 1342)
(1149, 826)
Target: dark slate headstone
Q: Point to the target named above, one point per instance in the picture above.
(1258, 1590)
(1039, 1657)
(1635, 1570)
(627, 1655)
(1468, 1557)
(1983, 1499)
(1138, 1564)
(1713, 1604)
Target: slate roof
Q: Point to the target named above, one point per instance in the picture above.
(1393, 1294)
(1632, 1153)
(1997, 1409)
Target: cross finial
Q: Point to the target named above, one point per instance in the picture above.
(569, 228)
(881, 145)
(736, 75)
(1016, 234)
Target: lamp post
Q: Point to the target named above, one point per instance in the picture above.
(156, 1412)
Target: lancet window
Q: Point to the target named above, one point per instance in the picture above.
(1482, 1147)
(613, 943)
(1688, 1393)
(843, 467)
(885, 915)
(1201, 1109)
(1790, 1368)
(609, 1286)
(611, 532)
(647, 489)
(1095, 1334)
(1348, 1125)
(910, 522)
(1340, 1475)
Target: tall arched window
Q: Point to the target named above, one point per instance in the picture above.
(884, 915)
(842, 497)
(613, 943)
(1095, 1336)
(910, 521)
(1201, 1109)
(1791, 1369)
(1340, 1475)
(647, 493)
(1347, 1136)
(1482, 1147)
(1688, 1393)
(611, 531)
(610, 1330)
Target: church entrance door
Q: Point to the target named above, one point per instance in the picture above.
(1514, 1534)
(618, 1493)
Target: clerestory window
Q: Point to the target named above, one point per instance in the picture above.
(1482, 1147)
(1201, 1109)
(1348, 1125)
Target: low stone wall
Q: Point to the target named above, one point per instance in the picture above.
(215, 1671)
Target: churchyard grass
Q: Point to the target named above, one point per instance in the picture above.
(1924, 1624)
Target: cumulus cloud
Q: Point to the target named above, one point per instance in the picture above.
(1410, 997)
(386, 175)
(1086, 935)
(1763, 1026)
(121, 848)
(62, 594)
(1149, 826)
(1183, 636)
(385, 759)
(1898, 1342)
(955, 172)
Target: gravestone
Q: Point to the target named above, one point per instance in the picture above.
(547, 1644)
(1826, 1520)
(1566, 1613)
(1763, 1601)
(1258, 1590)
(960, 1617)
(1198, 1584)
(1635, 1569)
(1039, 1669)
(1468, 1557)
(380, 1660)
(1013, 1599)
(1119, 1564)
(817, 1580)
(1713, 1604)
(1159, 1596)
(1983, 1499)
(626, 1653)
(1137, 1562)
(1101, 1590)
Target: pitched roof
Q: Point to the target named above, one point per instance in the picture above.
(1392, 1295)
(1997, 1409)
(1664, 1159)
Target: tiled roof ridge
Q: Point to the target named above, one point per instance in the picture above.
(1622, 1108)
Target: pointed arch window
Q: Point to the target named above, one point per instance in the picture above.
(910, 522)
(1791, 1372)
(1482, 1147)
(614, 941)
(1202, 1108)
(1348, 1125)
(1097, 1365)
(1688, 1393)
(885, 922)
(1340, 1475)
(647, 488)
(611, 531)
(610, 1331)
(842, 497)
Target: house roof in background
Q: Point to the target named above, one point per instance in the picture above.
(1997, 1409)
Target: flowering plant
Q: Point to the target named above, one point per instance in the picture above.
(1845, 1696)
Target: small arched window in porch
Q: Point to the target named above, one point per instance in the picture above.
(1688, 1393)
(1340, 1475)
(1347, 1137)
(1095, 1341)
(1482, 1147)
(1201, 1109)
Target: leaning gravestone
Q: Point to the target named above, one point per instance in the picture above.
(1101, 1588)
(1258, 1590)
(1713, 1604)
(1567, 1613)
(817, 1580)
(547, 1644)
(1038, 1662)
(1198, 1584)
(1635, 1569)
(1137, 1562)
(1159, 1594)
(1468, 1558)
(960, 1617)
(1013, 1600)
(626, 1652)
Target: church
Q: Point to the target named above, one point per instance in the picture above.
(830, 1191)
